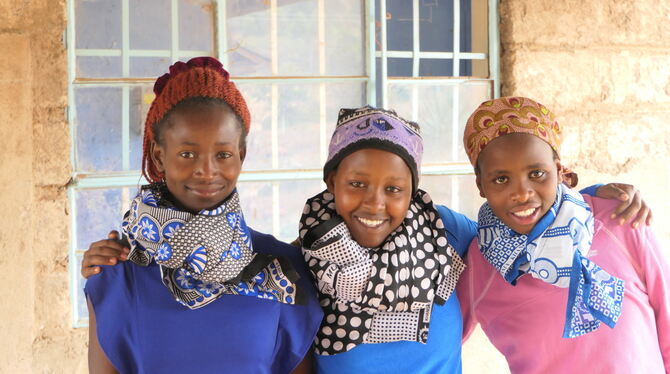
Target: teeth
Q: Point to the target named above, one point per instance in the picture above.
(525, 213)
(370, 222)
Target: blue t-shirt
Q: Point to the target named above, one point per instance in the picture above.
(442, 353)
(142, 329)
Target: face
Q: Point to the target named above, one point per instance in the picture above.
(518, 176)
(372, 191)
(200, 155)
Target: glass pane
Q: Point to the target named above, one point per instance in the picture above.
(436, 67)
(297, 21)
(98, 24)
(248, 34)
(458, 192)
(398, 67)
(399, 28)
(196, 25)
(432, 106)
(98, 67)
(256, 201)
(98, 128)
(437, 25)
(149, 67)
(98, 212)
(150, 26)
(345, 37)
(298, 121)
(293, 196)
(140, 101)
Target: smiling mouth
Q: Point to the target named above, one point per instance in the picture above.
(371, 223)
(525, 213)
(205, 192)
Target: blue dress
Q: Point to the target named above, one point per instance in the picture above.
(142, 329)
(442, 352)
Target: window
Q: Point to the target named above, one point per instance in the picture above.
(296, 62)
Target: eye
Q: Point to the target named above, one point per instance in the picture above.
(187, 154)
(356, 184)
(393, 189)
(224, 155)
(537, 174)
(500, 180)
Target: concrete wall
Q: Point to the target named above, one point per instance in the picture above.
(601, 66)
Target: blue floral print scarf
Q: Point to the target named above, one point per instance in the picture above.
(203, 256)
(554, 251)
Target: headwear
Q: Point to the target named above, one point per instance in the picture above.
(383, 294)
(507, 115)
(203, 256)
(199, 77)
(369, 127)
(555, 252)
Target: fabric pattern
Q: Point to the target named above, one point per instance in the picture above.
(554, 251)
(377, 295)
(205, 255)
(369, 127)
(507, 115)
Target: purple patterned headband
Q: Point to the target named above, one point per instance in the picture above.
(369, 127)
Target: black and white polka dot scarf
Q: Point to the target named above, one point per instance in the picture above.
(203, 256)
(377, 295)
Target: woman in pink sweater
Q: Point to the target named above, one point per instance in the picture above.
(550, 266)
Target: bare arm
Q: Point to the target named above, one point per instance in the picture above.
(98, 363)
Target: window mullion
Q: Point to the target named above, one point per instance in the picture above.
(457, 38)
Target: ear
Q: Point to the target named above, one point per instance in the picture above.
(559, 171)
(330, 181)
(158, 156)
(243, 155)
(479, 186)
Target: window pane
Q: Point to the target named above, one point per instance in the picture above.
(458, 192)
(98, 212)
(98, 67)
(345, 37)
(248, 34)
(149, 67)
(196, 25)
(98, 128)
(256, 201)
(298, 121)
(98, 24)
(293, 196)
(432, 106)
(140, 101)
(399, 27)
(297, 21)
(150, 26)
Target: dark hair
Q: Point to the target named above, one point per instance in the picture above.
(198, 103)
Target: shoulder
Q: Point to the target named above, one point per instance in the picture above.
(110, 279)
(602, 208)
(460, 229)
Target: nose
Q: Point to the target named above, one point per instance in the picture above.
(374, 199)
(205, 168)
(522, 191)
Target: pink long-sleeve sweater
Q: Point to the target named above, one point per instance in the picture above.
(525, 322)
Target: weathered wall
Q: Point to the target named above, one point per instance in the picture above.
(604, 68)
(35, 163)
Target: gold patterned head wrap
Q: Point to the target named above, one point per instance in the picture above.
(508, 115)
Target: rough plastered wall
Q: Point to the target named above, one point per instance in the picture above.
(603, 67)
(35, 317)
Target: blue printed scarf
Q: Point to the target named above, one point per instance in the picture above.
(554, 252)
(203, 256)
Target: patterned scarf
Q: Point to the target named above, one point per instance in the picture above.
(377, 295)
(553, 252)
(203, 256)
